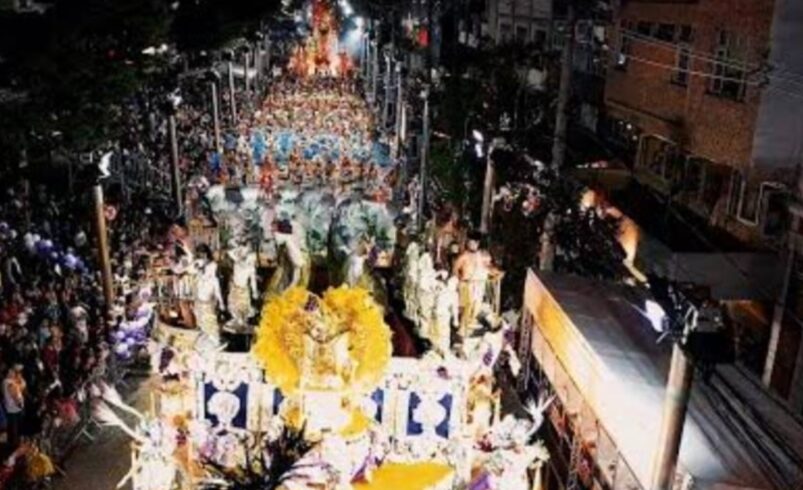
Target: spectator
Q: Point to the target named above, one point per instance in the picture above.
(14, 403)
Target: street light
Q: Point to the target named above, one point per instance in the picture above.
(424, 157)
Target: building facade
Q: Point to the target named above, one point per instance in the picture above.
(704, 98)
(685, 90)
(525, 21)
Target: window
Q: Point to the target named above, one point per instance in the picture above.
(748, 211)
(665, 32)
(685, 34)
(662, 159)
(776, 211)
(540, 38)
(682, 66)
(735, 192)
(728, 69)
(645, 28)
(504, 32)
(693, 177)
(624, 50)
(714, 185)
(521, 34)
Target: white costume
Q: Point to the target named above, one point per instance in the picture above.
(243, 284)
(427, 285)
(447, 303)
(207, 300)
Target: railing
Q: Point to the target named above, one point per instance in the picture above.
(600, 464)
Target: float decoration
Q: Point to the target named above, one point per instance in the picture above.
(336, 343)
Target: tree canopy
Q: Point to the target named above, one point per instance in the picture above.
(72, 67)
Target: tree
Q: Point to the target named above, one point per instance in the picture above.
(211, 24)
(78, 63)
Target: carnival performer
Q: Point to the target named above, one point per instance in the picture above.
(473, 268)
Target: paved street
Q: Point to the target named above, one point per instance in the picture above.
(102, 463)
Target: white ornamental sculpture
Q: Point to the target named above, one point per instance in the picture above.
(427, 285)
(410, 285)
(208, 297)
(447, 303)
(243, 288)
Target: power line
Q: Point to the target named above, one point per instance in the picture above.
(712, 58)
(771, 73)
(701, 74)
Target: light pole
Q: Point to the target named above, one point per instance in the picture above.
(676, 403)
(388, 91)
(374, 69)
(246, 82)
(424, 162)
(231, 92)
(175, 178)
(399, 119)
(216, 114)
(103, 249)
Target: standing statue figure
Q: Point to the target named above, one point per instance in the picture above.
(208, 298)
(293, 267)
(355, 264)
(473, 269)
(184, 285)
(410, 281)
(243, 286)
(427, 284)
(447, 304)
(326, 364)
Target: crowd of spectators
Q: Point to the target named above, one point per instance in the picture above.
(56, 340)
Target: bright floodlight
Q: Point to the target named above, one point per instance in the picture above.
(655, 314)
(477, 135)
(478, 150)
(359, 22)
(347, 10)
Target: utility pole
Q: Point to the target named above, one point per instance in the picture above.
(388, 92)
(103, 249)
(424, 163)
(268, 45)
(399, 109)
(257, 66)
(175, 178)
(676, 402)
(487, 192)
(246, 82)
(374, 70)
(216, 114)
(564, 92)
(231, 93)
(488, 187)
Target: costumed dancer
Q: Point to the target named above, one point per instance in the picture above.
(473, 269)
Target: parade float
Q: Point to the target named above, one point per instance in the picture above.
(318, 399)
